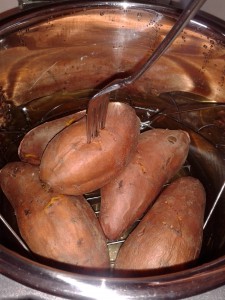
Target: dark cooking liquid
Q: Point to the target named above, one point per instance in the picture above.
(202, 118)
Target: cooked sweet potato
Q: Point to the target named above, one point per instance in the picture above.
(35, 141)
(61, 228)
(71, 166)
(160, 154)
(169, 237)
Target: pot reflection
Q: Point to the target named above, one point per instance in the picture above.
(86, 48)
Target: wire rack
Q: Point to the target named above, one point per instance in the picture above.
(177, 110)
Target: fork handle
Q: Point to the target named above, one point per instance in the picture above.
(182, 21)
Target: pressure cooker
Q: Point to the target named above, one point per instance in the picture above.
(53, 57)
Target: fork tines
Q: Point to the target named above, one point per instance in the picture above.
(96, 115)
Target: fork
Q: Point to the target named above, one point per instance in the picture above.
(98, 104)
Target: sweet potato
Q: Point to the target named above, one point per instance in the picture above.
(169, 237)
(71, 166)
(35, 141)
(57, 227)
(160, 154)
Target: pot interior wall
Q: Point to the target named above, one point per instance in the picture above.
(52, 61)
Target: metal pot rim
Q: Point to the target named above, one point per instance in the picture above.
(46, 279)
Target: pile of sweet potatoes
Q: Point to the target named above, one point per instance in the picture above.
(131, 169)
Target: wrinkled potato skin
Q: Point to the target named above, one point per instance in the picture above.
(57, 227)
(159, 156)
(170, 234)
(71, 166)
(35, 141)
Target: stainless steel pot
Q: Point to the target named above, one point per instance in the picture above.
(53, 58)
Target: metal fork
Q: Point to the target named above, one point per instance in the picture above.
(98, 104)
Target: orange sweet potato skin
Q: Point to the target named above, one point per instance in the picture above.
(169, 237)
(35, 141)
(71, 166)
(57, 227)
(159, 156)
